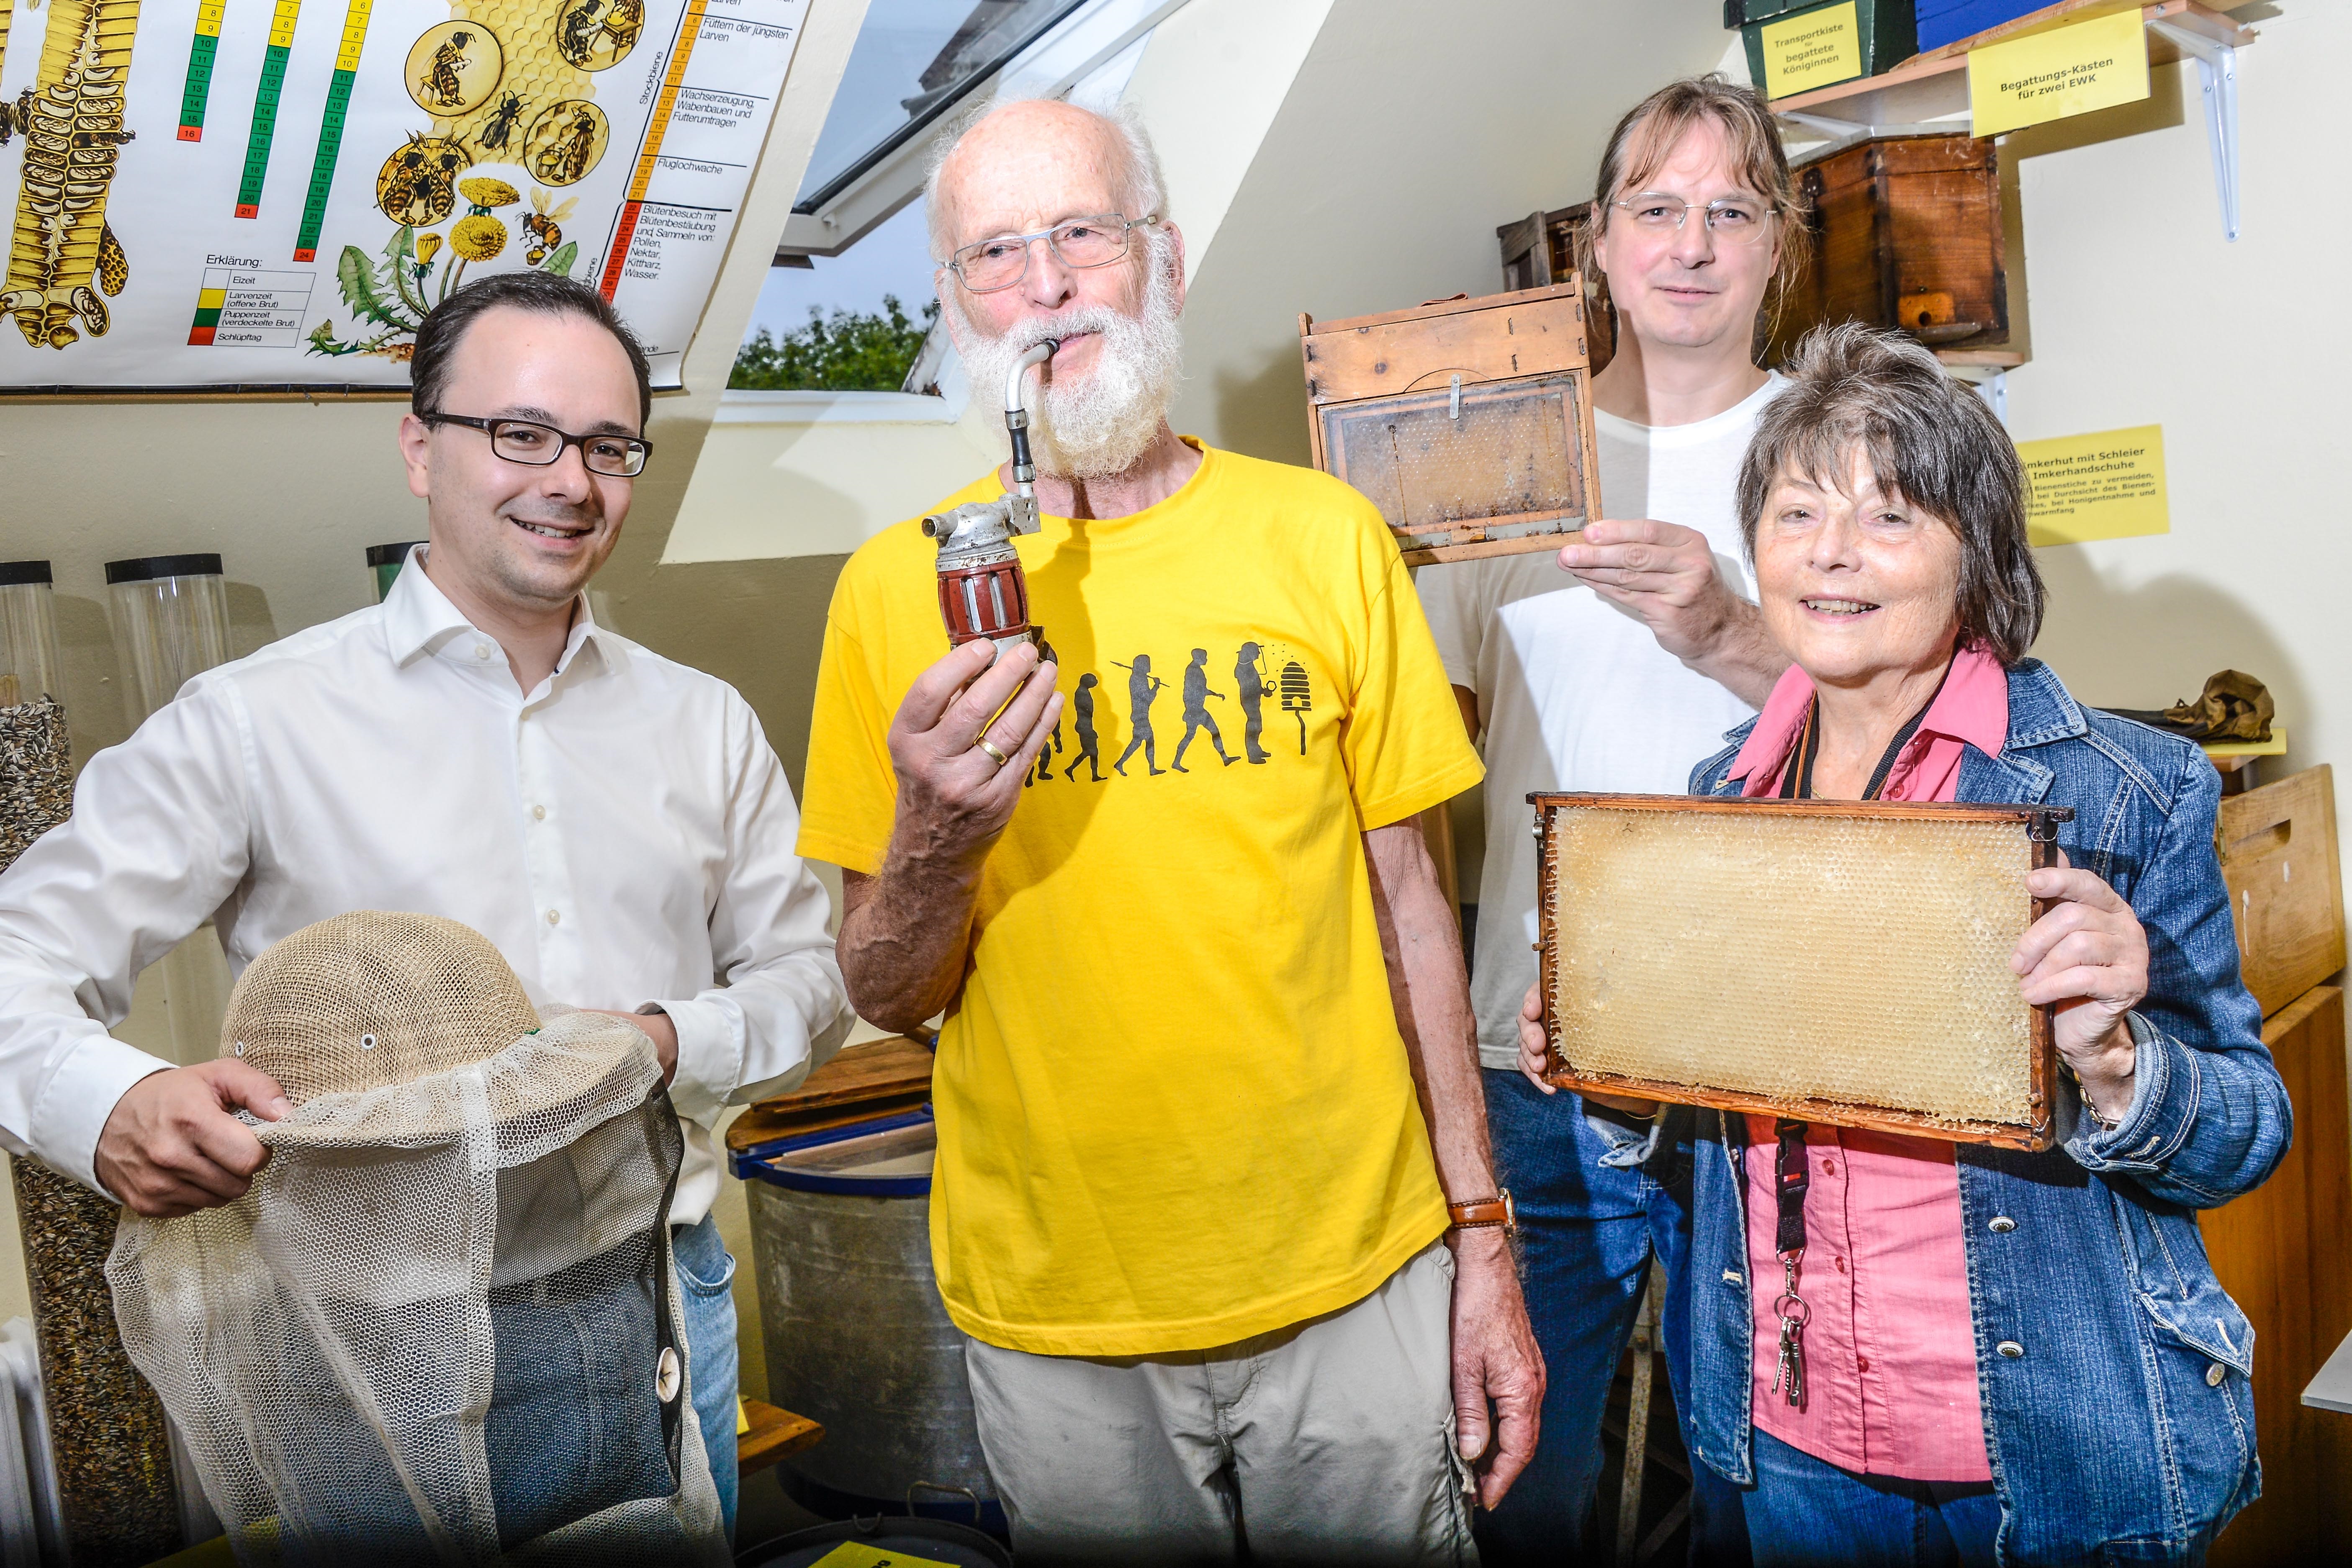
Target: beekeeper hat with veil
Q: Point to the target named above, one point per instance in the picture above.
(443, 1324)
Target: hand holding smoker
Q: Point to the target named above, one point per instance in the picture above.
(983, 592)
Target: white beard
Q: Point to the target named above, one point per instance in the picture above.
(1099, 425)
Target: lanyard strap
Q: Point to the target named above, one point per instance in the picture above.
(1790, 1176)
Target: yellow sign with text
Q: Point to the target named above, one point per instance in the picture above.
(1811, 51)
(2107, 486)
(2050, 75)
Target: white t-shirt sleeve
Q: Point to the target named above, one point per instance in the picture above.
(1451, 598)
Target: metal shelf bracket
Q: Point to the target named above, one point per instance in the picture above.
(2217, 66)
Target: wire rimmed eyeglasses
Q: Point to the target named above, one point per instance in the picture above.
(1735, 219)
(1096, 240)
(527, 441)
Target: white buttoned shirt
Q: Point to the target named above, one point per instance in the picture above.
(624, 835)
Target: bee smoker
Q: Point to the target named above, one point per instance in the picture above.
(982, 591)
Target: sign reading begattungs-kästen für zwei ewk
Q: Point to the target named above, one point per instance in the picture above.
(2066, 71)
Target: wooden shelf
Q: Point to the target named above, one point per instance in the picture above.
(773, 1434)
(1944, 70)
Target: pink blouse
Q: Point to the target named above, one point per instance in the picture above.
(1890, 1353)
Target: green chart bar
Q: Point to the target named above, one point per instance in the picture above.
(331, 131)
(200, 69)
(265, 107)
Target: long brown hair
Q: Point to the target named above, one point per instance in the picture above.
(1645, 139)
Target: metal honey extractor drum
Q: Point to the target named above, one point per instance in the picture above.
(855, 1333)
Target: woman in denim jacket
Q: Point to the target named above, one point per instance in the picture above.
(2007, 1357)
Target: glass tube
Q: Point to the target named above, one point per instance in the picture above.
(28, 633)
(385, 561)
(170, 615)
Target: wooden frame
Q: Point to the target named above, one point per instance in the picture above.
(1529, 345)
(2041, 828)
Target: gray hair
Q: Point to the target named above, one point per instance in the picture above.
(1146, 187)
(1927, 438)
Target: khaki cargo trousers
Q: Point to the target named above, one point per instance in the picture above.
(1326, 1442)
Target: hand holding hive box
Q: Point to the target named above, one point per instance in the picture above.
(1467, 422)
(1839, 962)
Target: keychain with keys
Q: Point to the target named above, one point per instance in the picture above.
(1789, 1240)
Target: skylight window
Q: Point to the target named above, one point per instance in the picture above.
(913, 61)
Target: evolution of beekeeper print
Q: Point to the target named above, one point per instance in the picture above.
(1201, 708)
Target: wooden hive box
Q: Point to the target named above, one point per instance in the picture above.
(2277, 845)
(1906, 233)
(1467, 422)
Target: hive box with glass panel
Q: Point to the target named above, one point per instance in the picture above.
(1841, 962)
(1467, 422)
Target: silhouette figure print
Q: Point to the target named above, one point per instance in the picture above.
(1045, 773)
(1196, 711)
(1249, 684)
(1082, 709)
(1142, 686)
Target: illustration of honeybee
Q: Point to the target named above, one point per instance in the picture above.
(544, 224)
(441, 83)
(418, 184)
(565, 141)
(500, 124)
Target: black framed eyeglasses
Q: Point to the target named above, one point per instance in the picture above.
(523, 441)
(1095, 241)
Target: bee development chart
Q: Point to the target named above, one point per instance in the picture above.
(273, 192)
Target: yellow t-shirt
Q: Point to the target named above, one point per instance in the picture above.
(1174, 1107)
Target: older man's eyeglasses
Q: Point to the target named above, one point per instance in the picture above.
(1000, 263)
(523, 441)
(1735, 219)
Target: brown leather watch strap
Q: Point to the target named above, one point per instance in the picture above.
(1497, 1210)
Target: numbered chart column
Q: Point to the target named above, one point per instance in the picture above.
(200, 69)
(265, 107)
(331, 131)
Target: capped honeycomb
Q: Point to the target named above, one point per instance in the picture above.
(1852, 959)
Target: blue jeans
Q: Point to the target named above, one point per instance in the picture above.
(1805, 1511)
(706, 1278)
(1586, 1233)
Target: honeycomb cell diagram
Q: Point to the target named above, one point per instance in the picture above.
(551, 50)
(62, 256)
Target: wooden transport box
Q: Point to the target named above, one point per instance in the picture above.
(1839, 962)
(2277, 845)
(1905, 232)
(1467, 422)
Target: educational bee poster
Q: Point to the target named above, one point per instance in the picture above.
(273, 192)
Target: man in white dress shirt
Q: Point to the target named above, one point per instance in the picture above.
(475, 747)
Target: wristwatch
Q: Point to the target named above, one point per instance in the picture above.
(1497, 1210)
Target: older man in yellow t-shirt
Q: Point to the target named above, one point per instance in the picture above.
(1207, 1085)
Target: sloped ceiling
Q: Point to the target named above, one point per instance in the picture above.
(1408, 135)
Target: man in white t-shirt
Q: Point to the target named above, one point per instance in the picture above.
(1617, 665)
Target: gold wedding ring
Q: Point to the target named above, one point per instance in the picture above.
(985, 744)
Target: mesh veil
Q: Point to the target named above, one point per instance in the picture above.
(442, 1325)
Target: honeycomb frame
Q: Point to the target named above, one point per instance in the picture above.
(1660, 916)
